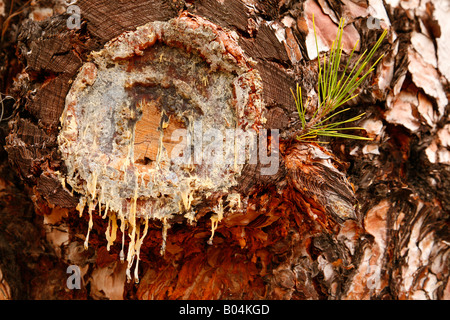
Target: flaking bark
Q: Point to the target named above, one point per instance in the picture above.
(287, 244)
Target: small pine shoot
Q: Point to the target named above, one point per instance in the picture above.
(335, 89)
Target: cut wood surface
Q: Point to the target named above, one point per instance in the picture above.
(343, 220)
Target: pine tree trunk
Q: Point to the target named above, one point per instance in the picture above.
(349, 219)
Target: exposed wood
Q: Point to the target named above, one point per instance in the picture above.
(106, 20)
(349, 220)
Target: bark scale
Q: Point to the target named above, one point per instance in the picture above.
(283, 237)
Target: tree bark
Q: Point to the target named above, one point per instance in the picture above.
(348, 219)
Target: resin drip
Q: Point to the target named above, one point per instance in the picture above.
(127, 105)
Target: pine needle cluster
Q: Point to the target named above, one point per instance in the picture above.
(335, 89)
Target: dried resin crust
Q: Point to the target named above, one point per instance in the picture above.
(120, 130)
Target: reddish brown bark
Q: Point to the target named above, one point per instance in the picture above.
(286, 242)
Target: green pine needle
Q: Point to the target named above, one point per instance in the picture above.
(335, 90)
